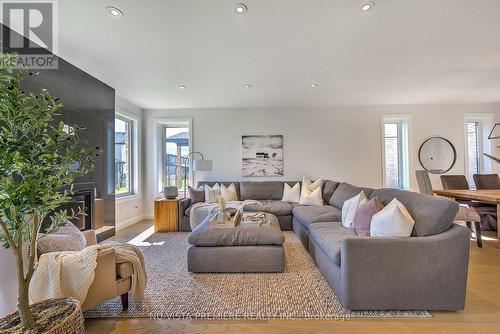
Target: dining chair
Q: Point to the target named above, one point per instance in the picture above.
(487, 181)
(459, 182)
(465, 213)
(424, 182)
(488, 212)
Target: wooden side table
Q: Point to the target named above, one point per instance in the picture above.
(166, 215)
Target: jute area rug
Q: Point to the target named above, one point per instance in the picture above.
(173, 293)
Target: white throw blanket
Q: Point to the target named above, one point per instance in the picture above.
(70, 274)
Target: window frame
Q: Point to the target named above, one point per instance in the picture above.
(485, 122)
(479, 147)
(131, 155)
(161, 124)
(405, 144)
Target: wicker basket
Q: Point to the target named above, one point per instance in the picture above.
(72, 324)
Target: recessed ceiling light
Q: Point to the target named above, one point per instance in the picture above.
(248, 86)
(366, 6)
(240, 8)
(314, 85)
(182, 87)
(114, 11)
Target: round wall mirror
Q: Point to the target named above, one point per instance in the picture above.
(437, 155)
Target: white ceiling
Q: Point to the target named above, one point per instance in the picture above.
(401, 52)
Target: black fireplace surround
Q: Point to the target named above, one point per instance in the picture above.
(89, 104)
(82, 200)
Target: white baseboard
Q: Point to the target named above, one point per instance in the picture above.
(126, 223)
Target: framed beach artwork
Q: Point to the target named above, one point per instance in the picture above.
(262, 155)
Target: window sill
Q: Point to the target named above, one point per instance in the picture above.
(127, 198)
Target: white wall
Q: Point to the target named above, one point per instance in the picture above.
(129, 210)
(338, 143)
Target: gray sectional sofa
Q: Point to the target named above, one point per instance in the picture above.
(427, 271)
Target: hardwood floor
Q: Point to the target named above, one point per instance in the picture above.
(481, 314)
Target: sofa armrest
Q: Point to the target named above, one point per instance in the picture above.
(104, 285)
(424, 272)
(90, 237)
(183, 205)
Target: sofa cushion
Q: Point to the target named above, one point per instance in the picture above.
(328, 189)
(345, 191)
(307, 215)
(432, 215)
(329, 238)
(261, 190)
(277, 208)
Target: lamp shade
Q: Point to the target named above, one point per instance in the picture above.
(202, 165)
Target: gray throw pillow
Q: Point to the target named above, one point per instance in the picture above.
(345, 191)
(197, 195)
(67, 238)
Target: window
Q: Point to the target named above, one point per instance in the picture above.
(123, 156)
(176, 138)
(477, 127)
(473, 149)
(395, 148)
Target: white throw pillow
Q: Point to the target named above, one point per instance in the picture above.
(229, 193)
(350, 207)
(311, 197)
(291, 194)
(211, 193)
(311, 192)
(392, 221)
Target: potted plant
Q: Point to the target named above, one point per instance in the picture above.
(39, 160)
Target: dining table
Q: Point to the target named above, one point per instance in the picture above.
(488, 196)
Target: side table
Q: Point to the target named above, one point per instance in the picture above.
(166, 215)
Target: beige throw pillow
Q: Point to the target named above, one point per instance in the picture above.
(392, 221)
(311, 192)
(229, 193)
(306, 183)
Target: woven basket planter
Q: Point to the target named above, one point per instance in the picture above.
(71, 324)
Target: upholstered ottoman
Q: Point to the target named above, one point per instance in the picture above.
(247, 248)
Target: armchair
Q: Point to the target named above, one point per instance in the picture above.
(111, 279)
